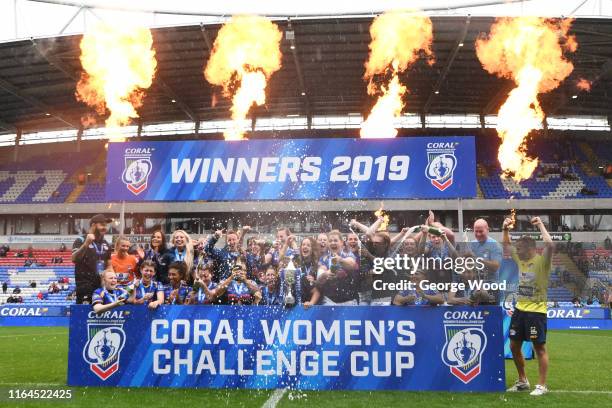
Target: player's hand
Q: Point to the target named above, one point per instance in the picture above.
(404, 230)
(310, 279)
(218, 233)
(430, 218)
(307, 305)
(153, 305)
(352, 223)
(424, 229)
(536, 221)
(246, 228)
(507, 223)
(140, 251)
(291, 239)
(89, 238)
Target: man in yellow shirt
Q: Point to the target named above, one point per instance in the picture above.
(529, 317)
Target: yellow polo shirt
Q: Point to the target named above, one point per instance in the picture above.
(533, 283)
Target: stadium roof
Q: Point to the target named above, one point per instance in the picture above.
(321, 75)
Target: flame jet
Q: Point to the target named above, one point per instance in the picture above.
(118, 66)
(530, 51)
(398, 39)
(245, 54)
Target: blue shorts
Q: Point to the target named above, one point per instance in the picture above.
(528, 326)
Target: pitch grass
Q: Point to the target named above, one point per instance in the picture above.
(36, 357)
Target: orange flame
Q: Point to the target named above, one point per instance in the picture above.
(119, 64)
(584, 84)
(528, 50)
(381, 213)
(398, 39)
(245, 54)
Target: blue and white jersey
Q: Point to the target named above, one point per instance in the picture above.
(420, 300)
(200, 296)
(105, 296)
(183, 292)
(272, 297)
(153, 288)
(288, 253)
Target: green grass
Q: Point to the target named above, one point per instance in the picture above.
(579, 361)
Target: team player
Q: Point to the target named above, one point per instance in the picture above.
(109, 295)
(205, 290)
(529, 317)
(148, 291)
(124, 264)
(177, 291)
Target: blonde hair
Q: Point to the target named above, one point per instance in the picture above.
(118, 242)
(188, 249)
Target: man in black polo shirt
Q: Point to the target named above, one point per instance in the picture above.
(91, 255)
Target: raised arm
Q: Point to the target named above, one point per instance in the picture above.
(79, 252)
(506, 235)
(548, 243)
(210, 249)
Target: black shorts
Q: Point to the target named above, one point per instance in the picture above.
(528, 326)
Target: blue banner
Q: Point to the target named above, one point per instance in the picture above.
(578, 313)
(38, 310)
(579, 324)
(292, 169)
(322, 348)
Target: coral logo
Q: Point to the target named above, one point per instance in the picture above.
(103, 349)
(136, 173)
(463, 350)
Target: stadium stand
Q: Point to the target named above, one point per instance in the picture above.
(16, 275)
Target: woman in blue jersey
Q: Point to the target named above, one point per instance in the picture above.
(272, 292)
(418, 296)
(148, 291)
(205, 291)
(177, 291)
(181, 251)
(157, 254)
(241, 290)
(109, 295)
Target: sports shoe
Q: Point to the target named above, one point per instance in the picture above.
(539, 390)
(519, 386)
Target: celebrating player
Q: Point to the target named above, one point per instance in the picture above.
(109, 295)
(148, 291)
(529, 318)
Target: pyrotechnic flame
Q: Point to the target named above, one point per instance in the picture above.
(528, 50)
(584, 84)
(513, 218)
(119, 64)
(246, 53)
(381, 213)
(398, 39)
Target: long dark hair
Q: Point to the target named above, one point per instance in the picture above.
(162, 245)
(314, 251)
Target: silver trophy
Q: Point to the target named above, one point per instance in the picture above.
(290, 271)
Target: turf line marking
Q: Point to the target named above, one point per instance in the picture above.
(30, 335)
(30, 384)
(581, 392)
(580, 334)
(275, 398)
